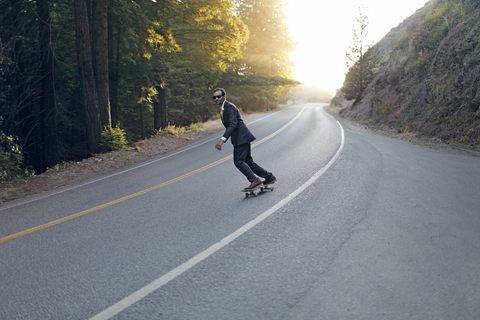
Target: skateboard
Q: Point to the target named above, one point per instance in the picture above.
(263, 188)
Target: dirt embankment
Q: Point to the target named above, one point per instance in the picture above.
(430, 91)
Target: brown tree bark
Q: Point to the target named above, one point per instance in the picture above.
(87, 77)
(48, 109)
(160, 109)
(114, 67)
(25, 102)
(100, 60)
(142, 119)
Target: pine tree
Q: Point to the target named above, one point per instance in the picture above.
(100, 59)
(87, 76)
(360, 61)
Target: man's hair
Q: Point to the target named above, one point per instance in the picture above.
(220, 89)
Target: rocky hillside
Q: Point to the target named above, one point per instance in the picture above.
(428, 78)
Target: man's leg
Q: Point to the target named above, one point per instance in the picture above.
(240, 155)
(259, 171)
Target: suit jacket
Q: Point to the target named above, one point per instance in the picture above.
(235, 127)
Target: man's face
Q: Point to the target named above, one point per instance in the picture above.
(219, 97)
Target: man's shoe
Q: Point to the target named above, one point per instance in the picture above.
(270, 180)
(255, 183)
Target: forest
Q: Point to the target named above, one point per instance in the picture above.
(76, 75)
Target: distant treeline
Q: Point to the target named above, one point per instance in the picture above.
(70, 70)
(305, 93)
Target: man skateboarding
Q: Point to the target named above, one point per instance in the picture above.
(241, 138)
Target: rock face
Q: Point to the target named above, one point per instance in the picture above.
(428, 77)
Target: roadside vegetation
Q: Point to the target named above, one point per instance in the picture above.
(88, 76)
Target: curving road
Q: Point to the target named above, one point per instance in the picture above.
(360, 226)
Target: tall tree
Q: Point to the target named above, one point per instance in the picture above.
(210, 36)
(175, 52)
(270, 46)
(48, 109)
(139, 38)
(161, 53)
(20, 82)
(360, 60)
(100, 59)
(266, 66)
(87, 77)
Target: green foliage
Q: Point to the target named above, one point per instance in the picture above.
(359, 76)
(258, 80)
(113, 139)
(11, 158)
(207, 35)
(436, 25)
(426, 32)
(404, 41)
(194, 127)
(257, 92)
(361, 61)
(420, 65)
(269, 49)
(359, 45)
(175, 130)
(165, 53)
(210, 38)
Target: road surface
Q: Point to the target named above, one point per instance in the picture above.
(359, 226)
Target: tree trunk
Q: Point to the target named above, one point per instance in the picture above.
(114, 68)
(142, 122)
(24, 107)
(87, 77)
(160, 119)
(48, 110)
(100, 60)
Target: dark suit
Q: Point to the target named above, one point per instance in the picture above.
(235, 127)
(241, 137)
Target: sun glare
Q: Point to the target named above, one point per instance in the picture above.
(323, 31)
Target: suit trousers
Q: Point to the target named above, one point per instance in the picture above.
(243, 160)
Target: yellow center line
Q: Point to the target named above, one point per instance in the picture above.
(76, 215)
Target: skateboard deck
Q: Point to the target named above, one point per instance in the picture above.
(263, 188)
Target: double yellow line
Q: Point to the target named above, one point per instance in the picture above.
(108, 204)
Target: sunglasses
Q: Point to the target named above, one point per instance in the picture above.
(217, 97)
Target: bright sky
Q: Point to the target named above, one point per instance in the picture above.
(323, 31)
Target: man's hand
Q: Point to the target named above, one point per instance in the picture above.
(219, 144)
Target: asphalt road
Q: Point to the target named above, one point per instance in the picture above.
(359, 226)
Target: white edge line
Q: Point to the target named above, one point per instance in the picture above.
(155, 285)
